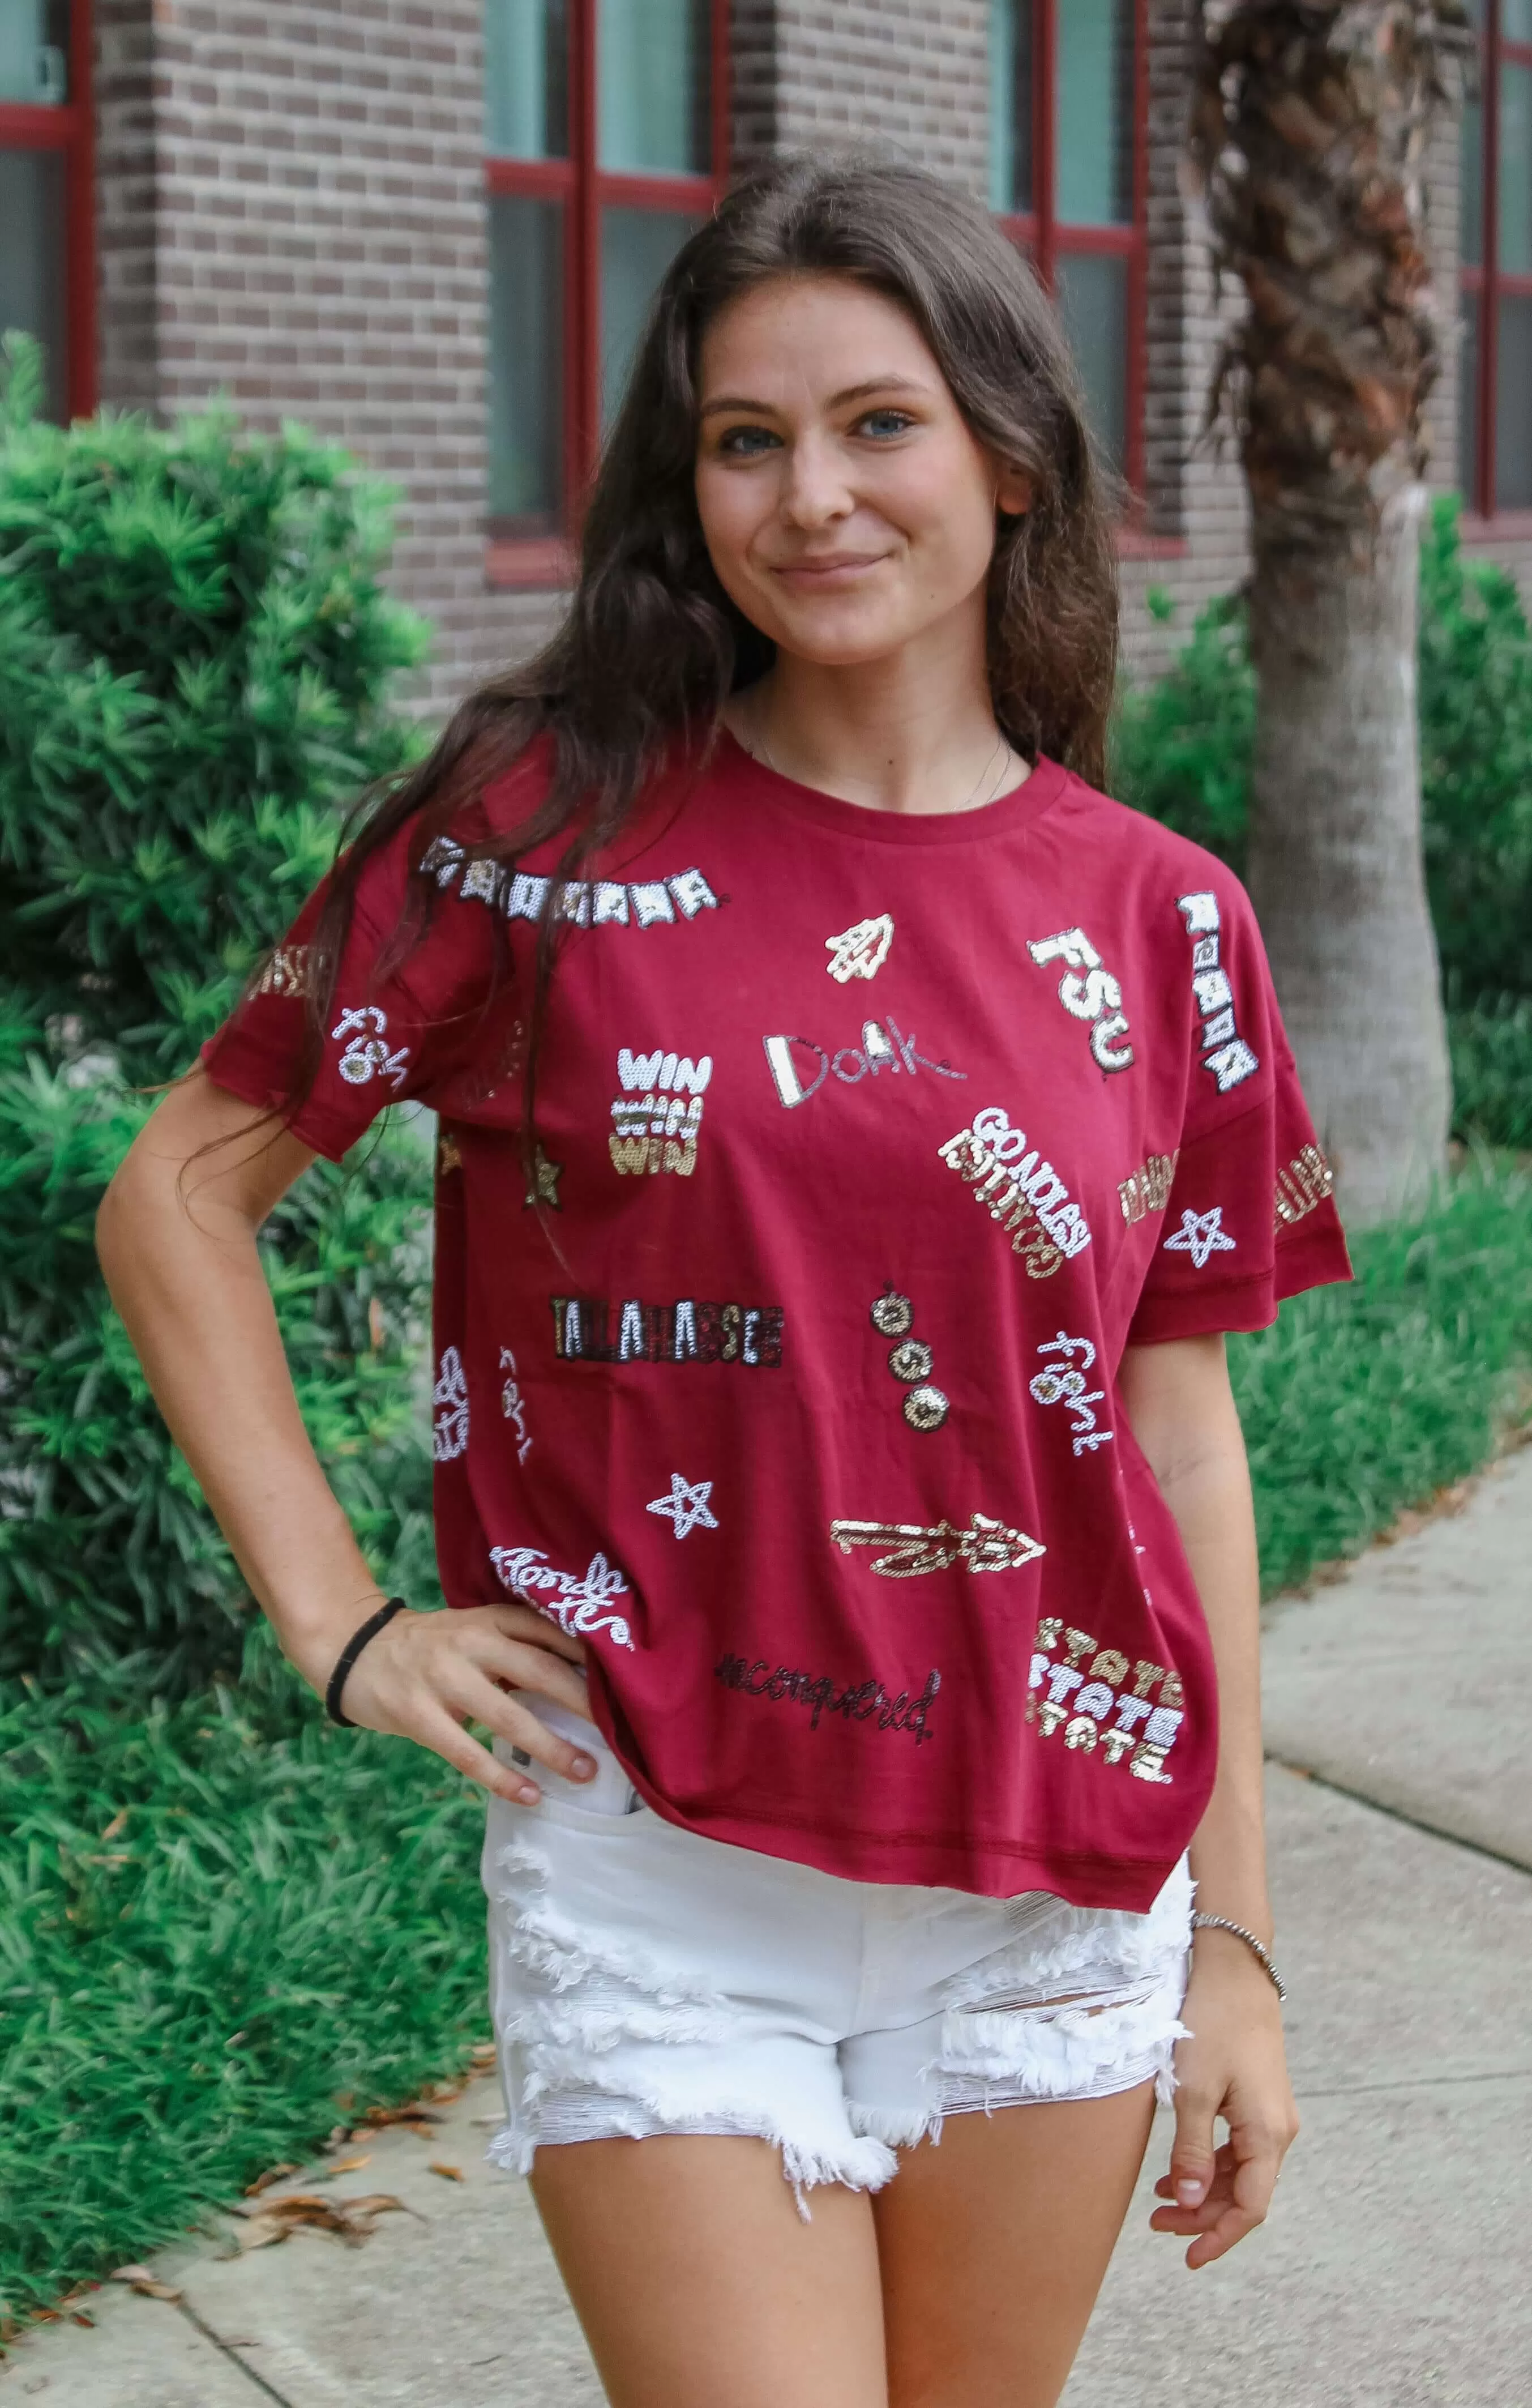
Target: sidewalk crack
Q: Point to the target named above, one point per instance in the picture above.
(1400, 1814)
(232, 2355)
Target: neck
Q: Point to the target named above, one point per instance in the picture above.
(912, 732)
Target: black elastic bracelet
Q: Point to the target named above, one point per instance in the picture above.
(349, 1655)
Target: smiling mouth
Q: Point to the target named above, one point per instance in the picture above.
(836, 565)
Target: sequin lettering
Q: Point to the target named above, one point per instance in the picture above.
(1302, 1184)
(1149, 1188)
(1088, 991)
(860, 951)
(591, 904)
(590, 1329)
(1025, 1195)
(367, 1056)
(450, 1401)
(658, 1116)
(1142, 1734)
(513, 1405)
(985, 1546)
(582, 1606)
(1065, 1384)
(852, 1701)
(1225, 1056)
(883, 1048)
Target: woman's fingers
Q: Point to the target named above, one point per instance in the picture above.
(478, 1698)
(522, 1622)
(1234, 2201)
(527, 1668)
(427, 1674)
(446, 1738)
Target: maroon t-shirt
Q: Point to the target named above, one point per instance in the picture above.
(865, 1144)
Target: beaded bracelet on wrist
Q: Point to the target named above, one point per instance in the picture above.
(1222, 1923)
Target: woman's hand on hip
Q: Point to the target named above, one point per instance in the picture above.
(426, 1675)
(1233, 2066)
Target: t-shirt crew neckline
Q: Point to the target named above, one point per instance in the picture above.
(831, 813)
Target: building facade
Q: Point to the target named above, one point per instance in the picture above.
(431, 230)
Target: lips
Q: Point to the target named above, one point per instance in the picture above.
(832, 564)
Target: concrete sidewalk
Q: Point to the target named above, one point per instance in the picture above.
(1395, 2271)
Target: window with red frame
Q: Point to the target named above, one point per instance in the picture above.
(1067, 111)
(606, 134)
(1495, 365)
(46, 252)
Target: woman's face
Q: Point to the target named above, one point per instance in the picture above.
(846, 507)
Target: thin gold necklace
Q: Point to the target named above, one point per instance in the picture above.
(761, 750)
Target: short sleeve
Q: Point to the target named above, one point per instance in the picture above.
(417, 1029)
(1249, 1218)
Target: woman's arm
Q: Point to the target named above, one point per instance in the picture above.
(177, 1236)
(1182, 1414)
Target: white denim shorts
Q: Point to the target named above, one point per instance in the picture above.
(644, 1979)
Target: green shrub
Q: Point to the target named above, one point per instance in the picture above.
(195, 657)
(1492, 1071)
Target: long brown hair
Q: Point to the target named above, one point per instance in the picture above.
(652, 648)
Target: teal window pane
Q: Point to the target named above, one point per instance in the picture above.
(1471, 157)
(1513, 406)
(526, 79)
(655, 87)
(1468, 401)
(32, 270)
(526, 362)
(1010, 107)
(1515, 20)
(34, 53)
(1094, 176)
(1515, 175)
(637, 248)
(1093, 302)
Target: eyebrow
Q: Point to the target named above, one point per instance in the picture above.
(851, 392)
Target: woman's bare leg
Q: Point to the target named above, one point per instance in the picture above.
(699, 2285)
(992, 2244)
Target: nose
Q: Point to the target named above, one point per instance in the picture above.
(815, 493)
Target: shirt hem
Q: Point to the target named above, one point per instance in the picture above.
(982, 1867)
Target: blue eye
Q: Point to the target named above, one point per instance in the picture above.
(882, 424)
(747, 442)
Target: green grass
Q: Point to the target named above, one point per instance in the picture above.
(1366, 1400)
(276, 1922)
(289, 1914)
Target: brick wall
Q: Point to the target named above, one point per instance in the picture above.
(319, 252)
(292, 209)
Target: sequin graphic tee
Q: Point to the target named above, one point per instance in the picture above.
(786, 1374)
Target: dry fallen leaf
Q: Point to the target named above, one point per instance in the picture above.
(448, 2174)
(264, 2182)
(376, 2117)
(484, 2052)
(350, 2219)
(347, 2164)
(148, 2285)
(118, 1823)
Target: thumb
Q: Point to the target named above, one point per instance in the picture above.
(1192, 2153)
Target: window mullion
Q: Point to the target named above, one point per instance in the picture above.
(1045, 122)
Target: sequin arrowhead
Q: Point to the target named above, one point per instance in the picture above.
(860, 951)
(985, 1546)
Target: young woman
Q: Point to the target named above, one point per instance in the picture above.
(856, 1134)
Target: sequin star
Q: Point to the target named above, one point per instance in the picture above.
(1201, 1233)
(544, 1185)
(686, 1505)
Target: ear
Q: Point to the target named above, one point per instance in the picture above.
(1012, 491)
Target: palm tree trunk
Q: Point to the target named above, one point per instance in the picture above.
(1309, 131)
(1334, 867)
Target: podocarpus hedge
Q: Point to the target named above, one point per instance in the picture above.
(196, 656)
(1183, 752)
